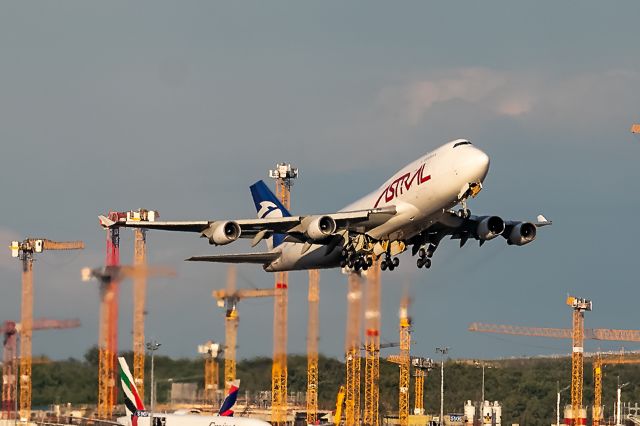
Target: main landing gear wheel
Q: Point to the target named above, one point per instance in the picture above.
(423, 262)
(464, 213)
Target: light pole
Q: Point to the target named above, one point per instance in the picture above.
(481, 364)
(442, 351)
(618, 410)
(558, 401)
(153, 346)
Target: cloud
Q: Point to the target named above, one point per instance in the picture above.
(517, 94)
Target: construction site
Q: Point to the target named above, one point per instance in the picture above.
(141, 288)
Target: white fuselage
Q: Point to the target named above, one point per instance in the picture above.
(421, 192)
(193, 420)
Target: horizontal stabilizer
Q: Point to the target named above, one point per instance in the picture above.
(261, 258)
(542, 221)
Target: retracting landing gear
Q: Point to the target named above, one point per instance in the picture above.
(389, 263)
(354, 260)
(424, 256)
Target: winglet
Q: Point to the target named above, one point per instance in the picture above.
(105, 222)
(542, 221)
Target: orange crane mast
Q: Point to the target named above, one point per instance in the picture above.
(10, 331)
(372, 347)
(635, 128)
(312, 346)
(283, 175)
(228, 299)
(24, 251)
(352, 349)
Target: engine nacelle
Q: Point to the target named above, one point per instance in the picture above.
(221, 233)
(522, 233)
(490, 227)
(320, 227)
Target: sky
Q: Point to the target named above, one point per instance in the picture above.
(180, 106)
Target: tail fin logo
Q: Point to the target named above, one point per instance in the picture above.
(266, 208)
(230, 400)
(132, 401)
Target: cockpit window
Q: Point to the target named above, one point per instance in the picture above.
(462, 143)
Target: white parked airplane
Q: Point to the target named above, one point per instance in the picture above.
(412, 208)
(138, 416)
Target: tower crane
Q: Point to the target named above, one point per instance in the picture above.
(228, 299)
(312, 347)
(598, 363)
(284, 174)
(403, 359)
(109, 278)
(421, 367)
(210, 351)
(577, 333)
(372, 347)
(24, 251)
(352, 349)
(139, 293)
(10, 331)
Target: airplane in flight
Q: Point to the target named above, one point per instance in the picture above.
(137, 415)
(415, 207)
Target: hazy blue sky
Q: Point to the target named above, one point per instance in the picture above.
(180, 106)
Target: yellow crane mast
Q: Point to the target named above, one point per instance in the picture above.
(372, 347)
(210, 352)
(579, 306)
(24, 251)
(403, 359)
(352, 350)
(283, 175)
(228, 299)
(139, 294)
(421, 367)
(598, 363)
(312, 347)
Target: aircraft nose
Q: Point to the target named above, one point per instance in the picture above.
(482, 162)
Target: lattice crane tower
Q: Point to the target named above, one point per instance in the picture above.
(283, 175)
(598, 363)
(139, 294)
(10, 330)
(405, 362)
(210, 352)
(312, 346)
(421, 367)
(228, 299)
(372, 347)
(352, 349)
(24, 251)
(579, 306)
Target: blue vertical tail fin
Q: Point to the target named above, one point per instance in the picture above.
(268, 206)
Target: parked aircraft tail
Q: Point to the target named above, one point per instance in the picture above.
(132, 401)
(230, 400)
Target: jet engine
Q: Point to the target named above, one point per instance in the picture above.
(522, 233)
(490, 227)
(320, 227)
(221, 233)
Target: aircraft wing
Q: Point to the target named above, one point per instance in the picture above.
(261, 258)
(294, 227)
(481, 228)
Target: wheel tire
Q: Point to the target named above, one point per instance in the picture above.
(422, 253)
(383, 265)
(419, 263)
(350, 263)
(427, 263)
(391, 267)
(343, 263)
(365, 267)
(369, 262)
(396, 262)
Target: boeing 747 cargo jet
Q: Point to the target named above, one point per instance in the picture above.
(415, 207)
